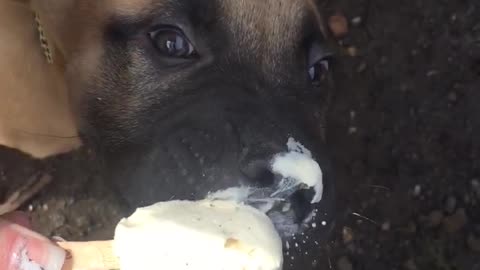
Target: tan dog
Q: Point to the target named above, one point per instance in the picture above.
(178, 97)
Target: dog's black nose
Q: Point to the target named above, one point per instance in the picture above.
(288, 186)
(268, 188)
(302, 217)
(259, 173)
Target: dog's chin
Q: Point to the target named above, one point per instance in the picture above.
(303, 227)
(295, 215)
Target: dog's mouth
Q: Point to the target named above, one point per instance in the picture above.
(299, 203)
(289, 213)
(289, 201)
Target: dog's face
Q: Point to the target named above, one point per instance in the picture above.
(185, 97)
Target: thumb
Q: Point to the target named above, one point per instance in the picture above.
(24, 249)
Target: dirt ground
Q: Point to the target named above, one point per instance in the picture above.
(404, 128)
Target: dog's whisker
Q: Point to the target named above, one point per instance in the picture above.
(48, 135)
(365, 218)
(379, 187)
(329, 258)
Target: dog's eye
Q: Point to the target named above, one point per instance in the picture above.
(172, 43)
(318, 63)
(319, 70)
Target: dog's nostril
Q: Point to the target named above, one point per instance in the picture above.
(264, 177)
(301, 204)
(259, 174)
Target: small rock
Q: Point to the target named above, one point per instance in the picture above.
(411, 227)
(432, 73)
(70, 201)
(351, 248)
(453, 18)
(344, 264)
(386, 226)
(364, 204)
(347, 235)
(59, 204)
(82, 221)
(357, 21)
(352, 51)
(383, 60)
(450, 204)
(338, 25)
(352, 114)
(410, 265)
(452, 96)
(476, 187)
(435, 218)
(57, 219)
(466, 199)
(475, 183)
(455, 222)
(362, 67)
(473, 243)
(352, 130)
(417, 190)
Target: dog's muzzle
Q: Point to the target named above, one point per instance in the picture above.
(228, 150)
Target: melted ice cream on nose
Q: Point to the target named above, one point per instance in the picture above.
(298, 171)
(298, 168)
(201, 235)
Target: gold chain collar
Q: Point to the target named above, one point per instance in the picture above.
(46, 47)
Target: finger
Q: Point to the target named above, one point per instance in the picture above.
(25, 249)
(19, 218)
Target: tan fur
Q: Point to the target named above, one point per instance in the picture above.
(34, 110)
(273, 26)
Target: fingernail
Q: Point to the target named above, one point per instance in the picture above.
(26, 249)
(56, 257)
(58, 239)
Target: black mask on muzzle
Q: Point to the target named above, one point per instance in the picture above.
(222, 143)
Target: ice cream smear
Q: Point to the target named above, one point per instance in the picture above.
(298, 169)
(198, 235)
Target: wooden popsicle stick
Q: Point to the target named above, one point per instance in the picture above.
(94, 255)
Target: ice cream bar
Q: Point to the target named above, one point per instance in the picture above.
(198, 235)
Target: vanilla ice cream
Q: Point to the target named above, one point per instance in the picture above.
(198, 235)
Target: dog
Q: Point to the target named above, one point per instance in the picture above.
(178, 98)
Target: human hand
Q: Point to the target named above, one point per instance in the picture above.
(24, 249)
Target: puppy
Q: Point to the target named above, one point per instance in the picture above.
(179, 98)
